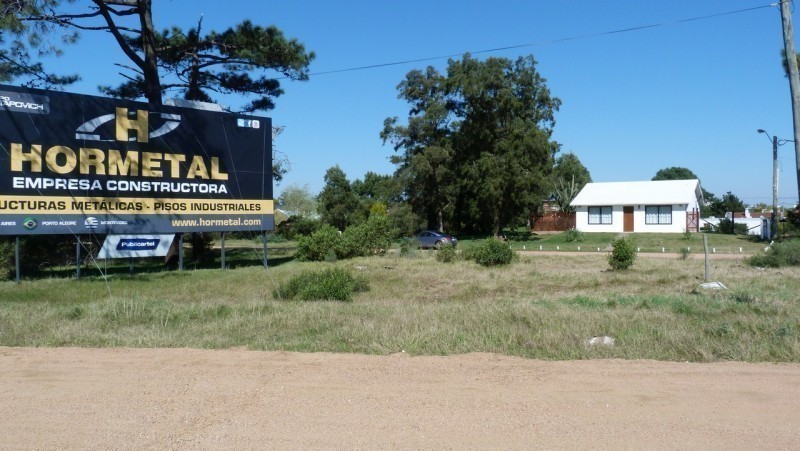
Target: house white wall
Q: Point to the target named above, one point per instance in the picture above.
(582, 220)
(754, 225)
(678, 224)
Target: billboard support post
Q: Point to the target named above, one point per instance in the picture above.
(265, 250)
(222, 246)
(78, 257)
(16, 258)
(180, 252)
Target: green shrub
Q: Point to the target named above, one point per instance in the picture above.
(45, 251)
(685, 252)
(623, 253)
(297, 226)
(319, 244)
(404, 219)
(201, 244)
(730, 227)
(490, 252)
(6, 259)
(352, 242)
(373, 237)
(573, 235)
(785, 253)
(446, 254)
(408, 247)
(330, 284)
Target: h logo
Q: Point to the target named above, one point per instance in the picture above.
(125, 124)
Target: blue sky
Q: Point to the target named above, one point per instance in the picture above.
(683, 94)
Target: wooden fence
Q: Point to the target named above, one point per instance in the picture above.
(556, 221)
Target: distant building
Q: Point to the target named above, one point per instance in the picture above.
(664, 206)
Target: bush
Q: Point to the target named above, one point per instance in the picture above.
(316, 246)
(786, 253)
(730, 227)
(6, 259)
(490, 252)
(573, 235)
(39, 251)
(201, 244)
(379, 233)
(370, 238)
(405, 220)
(326, 244)
(408, 247)
(623, 253)
(446, 254)
(330, 284)
(297, 226)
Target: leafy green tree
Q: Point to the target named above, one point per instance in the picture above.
(425, 162)
(476, 151)
(338, 203)
(503, 144)
(194, 62)
(569, 178)
(680, 173)
(405, 220)
(239, 60)
(387, 189)
(298, 201)
(675, 173)
(191, 61)
(728, 203)
(22, 41)
(567, 166)
(225, 62)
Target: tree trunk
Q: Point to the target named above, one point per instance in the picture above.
(152, 83)
(194, 92)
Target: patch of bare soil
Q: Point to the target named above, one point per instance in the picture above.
(186, 398)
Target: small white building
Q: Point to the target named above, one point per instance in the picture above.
(665, 206)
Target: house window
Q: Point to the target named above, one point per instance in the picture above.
(599, 215)
(658, 214)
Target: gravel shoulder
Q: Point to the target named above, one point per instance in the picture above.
(187, 398)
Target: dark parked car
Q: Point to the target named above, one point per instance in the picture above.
(434, 239)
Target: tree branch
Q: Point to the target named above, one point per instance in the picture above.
(123, 44)
(134, 69)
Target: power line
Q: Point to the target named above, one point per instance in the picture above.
(545, 42)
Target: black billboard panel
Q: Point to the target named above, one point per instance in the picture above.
(76, 164)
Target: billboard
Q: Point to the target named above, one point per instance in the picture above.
(78, 164)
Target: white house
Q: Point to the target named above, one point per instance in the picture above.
(665, 206)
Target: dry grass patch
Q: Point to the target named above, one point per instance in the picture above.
(539, 307)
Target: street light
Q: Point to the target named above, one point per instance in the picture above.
(775, 144)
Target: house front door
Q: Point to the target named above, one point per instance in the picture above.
(627, 219)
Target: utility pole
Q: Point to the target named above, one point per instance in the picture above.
(794, 79)
(774, 222)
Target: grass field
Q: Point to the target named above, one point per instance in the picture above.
(539, 307)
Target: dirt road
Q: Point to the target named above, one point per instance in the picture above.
(177, 398)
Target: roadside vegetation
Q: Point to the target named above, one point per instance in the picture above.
(538, 307)
(645, 242)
